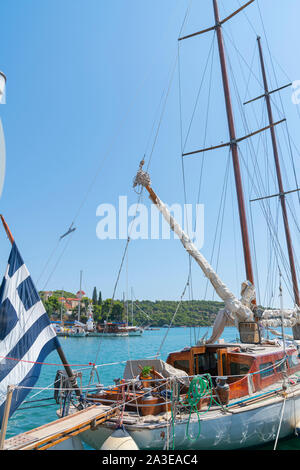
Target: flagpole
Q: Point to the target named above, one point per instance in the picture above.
(6, 228)
(58, 348)
(10, 391)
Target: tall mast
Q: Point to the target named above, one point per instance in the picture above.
(296, 330)
(131, 306)
(234, 148)
(61, 307)
(79, 304)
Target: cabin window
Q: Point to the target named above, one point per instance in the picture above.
(182, 365)
(293, 360)
(280, 365)
(204, 363)
(266, 369)
(239, 368)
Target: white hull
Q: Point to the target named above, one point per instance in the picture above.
(74, 443)
(247, 426)
(76, 335)
(107, 335)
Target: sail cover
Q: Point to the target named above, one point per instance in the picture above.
(26, 335)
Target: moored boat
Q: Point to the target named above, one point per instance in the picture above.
(254, 404)
(215, 395)
(212, 395)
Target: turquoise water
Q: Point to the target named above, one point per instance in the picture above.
(82, 351)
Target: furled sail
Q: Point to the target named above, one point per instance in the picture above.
(274, 318)
(235, 310)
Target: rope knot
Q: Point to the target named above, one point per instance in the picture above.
(142, 177)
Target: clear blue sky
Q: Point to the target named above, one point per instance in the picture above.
(84, 82)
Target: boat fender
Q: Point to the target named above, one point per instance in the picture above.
(223, 390)
(119, 440)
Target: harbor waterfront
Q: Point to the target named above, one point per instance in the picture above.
(196, 134)
(107, 352)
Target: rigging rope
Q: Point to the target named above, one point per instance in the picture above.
(220, 216)
(175, 313)
(263, 203)
(183, 145)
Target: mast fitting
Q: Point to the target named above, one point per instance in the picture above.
(142, 177)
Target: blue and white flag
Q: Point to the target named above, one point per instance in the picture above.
(26, 335)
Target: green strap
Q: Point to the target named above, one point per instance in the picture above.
(200, 387)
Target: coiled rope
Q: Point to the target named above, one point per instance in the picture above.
(200, 387)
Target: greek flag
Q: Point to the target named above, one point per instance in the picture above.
(26, 336)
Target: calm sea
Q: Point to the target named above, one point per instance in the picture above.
(82, 351)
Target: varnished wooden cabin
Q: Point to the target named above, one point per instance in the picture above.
(248, 367)
(263, 363)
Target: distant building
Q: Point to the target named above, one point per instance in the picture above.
(80, 294)
(72, 302)
(47, 294)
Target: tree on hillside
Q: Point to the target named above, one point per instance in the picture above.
(97, 313)
(52, 306)
(112, 314)
(85, 301)
(63, 293)
(94, 296)
(100, 299)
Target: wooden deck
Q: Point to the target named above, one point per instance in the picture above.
(53, 433)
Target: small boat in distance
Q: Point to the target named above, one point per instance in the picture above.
(132, 330)
(212, 395)
(110, 329)
(77, 332)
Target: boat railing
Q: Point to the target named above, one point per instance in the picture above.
(153, 380)
(197, 396)
(157, 384)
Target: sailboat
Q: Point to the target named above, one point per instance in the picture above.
(217, 395)
(119, 329)
(131, 330)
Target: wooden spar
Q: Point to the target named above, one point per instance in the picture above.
(270, 93)
(10, 390)
(275, 195)
(59, 349)
(212, 28)
(6, 228)
(237, 11)
(68, 371)
(296, 329)
(228, 144)
(234, 149)
(233, 141)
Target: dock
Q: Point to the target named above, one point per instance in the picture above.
(51, 434)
